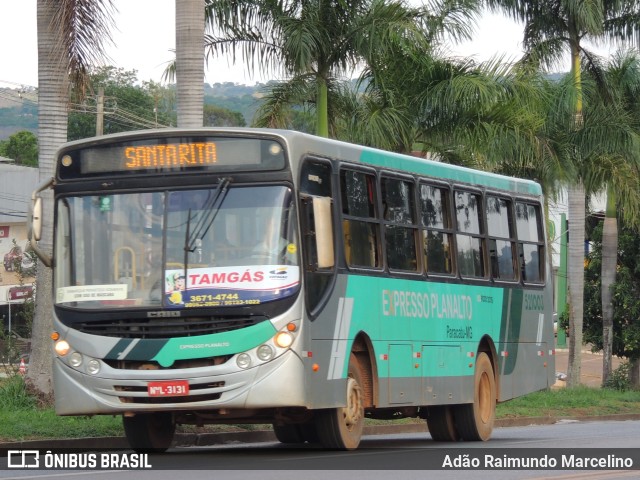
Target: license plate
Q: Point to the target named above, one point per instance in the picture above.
(173, 388)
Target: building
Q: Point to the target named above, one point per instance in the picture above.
(16, 184)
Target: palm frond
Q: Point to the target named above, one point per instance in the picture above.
(85, 27)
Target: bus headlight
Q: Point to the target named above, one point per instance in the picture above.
(243, 360)
(283, 339)
(265, 353)
(62, 347)
(75, 359)
(93, 366)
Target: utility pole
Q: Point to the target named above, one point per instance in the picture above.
(100, 112)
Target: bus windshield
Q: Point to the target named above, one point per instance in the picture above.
(224, 246)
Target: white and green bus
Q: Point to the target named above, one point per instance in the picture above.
(261, 276)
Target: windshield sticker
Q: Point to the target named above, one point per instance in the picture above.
(91, 293)
(230, 286)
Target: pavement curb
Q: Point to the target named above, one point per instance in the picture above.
(257, 436)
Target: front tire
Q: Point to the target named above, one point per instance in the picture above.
(149, 432)
(341, 428)
(475, 421)
(296, 433)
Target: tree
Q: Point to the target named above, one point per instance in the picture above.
(620, 86)
(625, 297)
(127, 106)
(222, 117)
(315, 43)
(22, 147)
(190, 62)
(70, 38)
(550, 26)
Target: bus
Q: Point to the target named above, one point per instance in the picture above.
(231, 276)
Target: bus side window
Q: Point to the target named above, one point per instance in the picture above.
(399, 224)
(360, 225)
(437, 232)
(501, 238)
(531, 252)
(470, 235)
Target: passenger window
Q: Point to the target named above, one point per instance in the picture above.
(400, 225)
(360, 225)
(437, 236)
(500, 231)
(470, 237)
(531, 252)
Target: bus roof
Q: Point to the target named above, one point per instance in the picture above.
(301, 143)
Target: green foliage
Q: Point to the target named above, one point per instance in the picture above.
(626, 295)
(14, 395)
(619, 378)
(222, 117)
(127, 105)
(24, 117)
(22, 147)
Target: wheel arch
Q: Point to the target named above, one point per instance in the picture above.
(362, 348)
(487, 346)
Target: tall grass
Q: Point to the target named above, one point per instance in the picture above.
(14, 395)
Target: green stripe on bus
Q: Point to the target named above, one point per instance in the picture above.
(216, 344)
(448, 172)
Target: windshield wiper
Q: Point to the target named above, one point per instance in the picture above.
(210, 211)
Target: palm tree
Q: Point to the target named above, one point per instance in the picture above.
(619, 86)
(317, 42)
(190, 62)
(550, 27)
(71, 36)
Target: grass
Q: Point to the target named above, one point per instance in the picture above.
(22, 419)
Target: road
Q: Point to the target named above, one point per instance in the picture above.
(401, 456)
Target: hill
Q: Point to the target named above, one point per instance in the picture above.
(19, 108)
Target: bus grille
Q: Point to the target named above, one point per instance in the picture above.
(167, 327)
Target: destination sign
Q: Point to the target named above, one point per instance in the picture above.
(160, 154)
(182, 155)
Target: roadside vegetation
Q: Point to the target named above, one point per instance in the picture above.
(22, 418)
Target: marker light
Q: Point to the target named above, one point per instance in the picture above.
(283, 339)
(55, 336)
(62, 347)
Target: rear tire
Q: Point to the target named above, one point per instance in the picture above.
(475, 420)
(149, 432)
(441, 424)
(341, 428)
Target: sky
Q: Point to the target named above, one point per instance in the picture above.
(144, 38)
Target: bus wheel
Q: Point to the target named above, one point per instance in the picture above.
(296, 433)
(289, 433)
(341, 428)
(441, 424)
(474, 421)
(149, 432)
